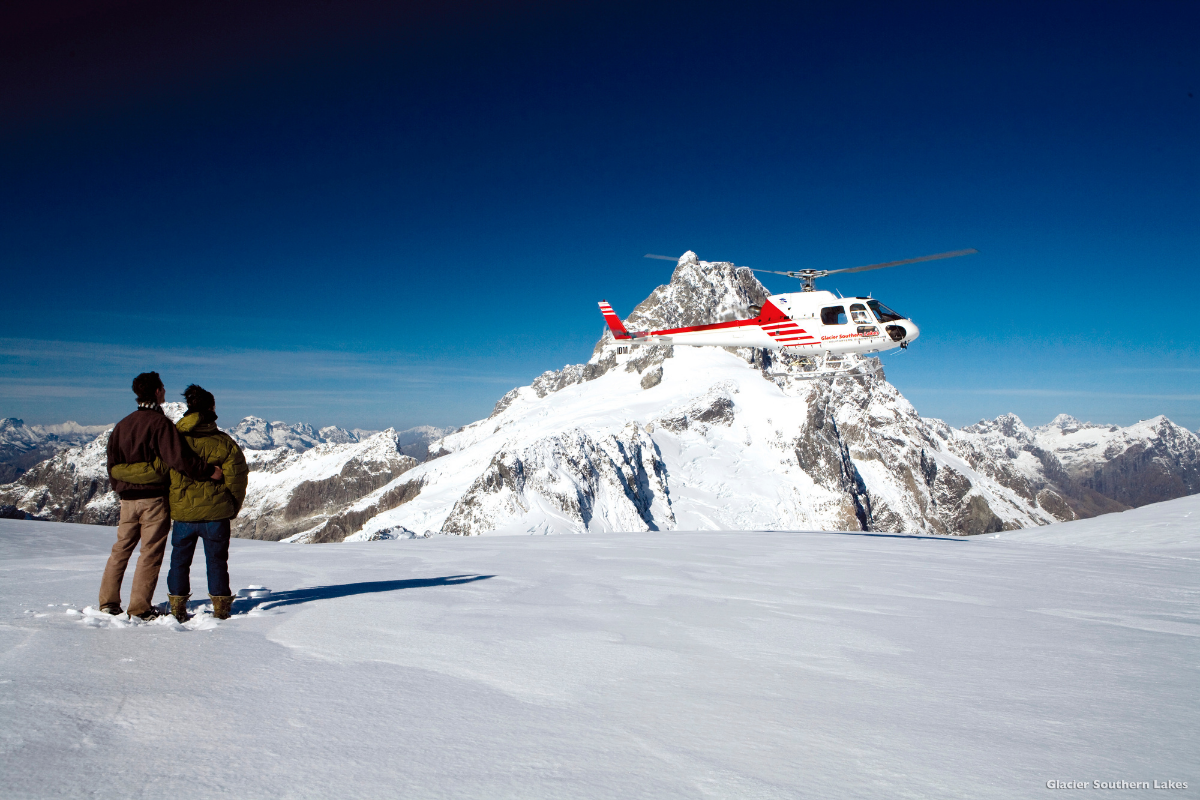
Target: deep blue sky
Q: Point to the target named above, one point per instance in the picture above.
(383, 216)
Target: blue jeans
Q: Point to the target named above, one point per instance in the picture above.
(216, 554)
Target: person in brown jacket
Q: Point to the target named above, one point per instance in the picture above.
(145, 435)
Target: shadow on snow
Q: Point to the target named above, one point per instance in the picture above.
(892, 535)
(309, 594)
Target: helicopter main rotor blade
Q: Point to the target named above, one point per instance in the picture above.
(661, 258)
(773, 272)
(935, 257)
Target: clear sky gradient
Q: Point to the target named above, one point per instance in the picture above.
(387, 215)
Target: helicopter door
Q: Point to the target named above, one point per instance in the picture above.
(833, 315)
(861, 317)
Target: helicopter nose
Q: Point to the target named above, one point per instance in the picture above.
(913, 330)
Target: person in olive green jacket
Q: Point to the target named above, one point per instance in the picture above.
(201, 509)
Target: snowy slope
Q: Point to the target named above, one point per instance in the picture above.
(22, 446)
(1148, 462)
(255, 433)
(294, 493)
(713, 445)
(1170, 528)
(706, 438)
(726, 664)
(293, 487)
(688, 438)
(73, 485)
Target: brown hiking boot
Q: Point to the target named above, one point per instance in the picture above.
(221, 605)
(179, 606)
(112, 608)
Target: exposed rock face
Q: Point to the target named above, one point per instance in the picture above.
(311, 492)
(684, 438)
(699, 292)
(22, 446)
(70, 487)
(572, 477)
(73, 485)
(317, 495)
(1149, 462)
(846, 454)
(255, 433)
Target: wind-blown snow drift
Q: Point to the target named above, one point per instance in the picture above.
(735, 664)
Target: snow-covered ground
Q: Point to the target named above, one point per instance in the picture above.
(718, 664)
(1171, 528)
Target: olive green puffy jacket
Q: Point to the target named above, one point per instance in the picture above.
(198, 501)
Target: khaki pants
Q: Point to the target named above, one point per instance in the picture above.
(147, 521)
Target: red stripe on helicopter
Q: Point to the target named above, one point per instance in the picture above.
(613, 321)
(770, 316)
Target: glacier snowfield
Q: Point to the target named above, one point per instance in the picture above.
(717, 664)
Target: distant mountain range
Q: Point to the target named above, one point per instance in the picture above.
(254, 433)
(22, 446)
(65, 465)
(673, 438)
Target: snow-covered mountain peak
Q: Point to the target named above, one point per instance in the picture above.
(688, 258)
(1005, 425)
(255, 433)
(699, 292)
(665, 438)
(1065, 424)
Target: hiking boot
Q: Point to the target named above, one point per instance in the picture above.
(112, 608)
(221, 605)
(179, 606)
(149, 614)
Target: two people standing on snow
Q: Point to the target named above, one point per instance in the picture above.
(190, 472)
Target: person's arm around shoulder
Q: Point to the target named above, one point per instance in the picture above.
(175, 453)
(237, 474)
(140, 472)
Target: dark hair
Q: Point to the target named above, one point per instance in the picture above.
(198, 399)
(146, 387)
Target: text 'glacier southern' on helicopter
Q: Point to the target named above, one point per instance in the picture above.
(828, 330)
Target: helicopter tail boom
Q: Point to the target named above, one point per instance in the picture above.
(614, 322)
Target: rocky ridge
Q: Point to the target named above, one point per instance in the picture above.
(22, 446)
(297, 485)
(693, 438)
(255, 433)
(707, 438)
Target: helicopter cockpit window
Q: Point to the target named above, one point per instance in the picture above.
(859, 315)
(884, 313)
(833, 315)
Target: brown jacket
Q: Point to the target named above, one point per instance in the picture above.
(144, 435)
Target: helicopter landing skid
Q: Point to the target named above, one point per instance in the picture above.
(831, 367)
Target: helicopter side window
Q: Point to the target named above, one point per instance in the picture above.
(884, 313)
(858, 313)
(833, 315)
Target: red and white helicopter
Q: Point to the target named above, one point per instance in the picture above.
(827, 330)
